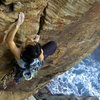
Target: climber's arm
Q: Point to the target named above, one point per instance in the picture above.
(10, 41)
(10, 37)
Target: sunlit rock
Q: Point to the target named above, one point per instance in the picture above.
(73, 24)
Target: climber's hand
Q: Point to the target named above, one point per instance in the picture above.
(37, 38)
(20, 19)
(31, 39)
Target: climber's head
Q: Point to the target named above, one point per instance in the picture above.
(31, 52)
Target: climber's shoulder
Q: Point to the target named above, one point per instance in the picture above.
(14, 49)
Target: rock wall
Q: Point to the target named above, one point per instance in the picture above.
(44, 94)
(67, 98)
(63, 12)
(74, 25)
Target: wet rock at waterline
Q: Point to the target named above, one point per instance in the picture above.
(77, 33)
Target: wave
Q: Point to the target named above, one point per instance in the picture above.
(83, 79)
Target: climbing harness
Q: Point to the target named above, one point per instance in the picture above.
(27, 72)
(18, 74)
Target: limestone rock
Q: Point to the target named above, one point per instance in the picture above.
(68, 98)
(63, 12)
(44, 94)
(77, 33)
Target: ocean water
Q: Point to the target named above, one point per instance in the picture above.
(83, 79)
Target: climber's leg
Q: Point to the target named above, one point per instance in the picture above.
(49, 48)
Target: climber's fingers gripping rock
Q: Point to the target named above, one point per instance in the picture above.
(20, 18)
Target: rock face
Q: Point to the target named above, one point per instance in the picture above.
(73, 24)
(44, 94)
(68, 98)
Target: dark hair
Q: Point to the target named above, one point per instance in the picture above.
(31, 52)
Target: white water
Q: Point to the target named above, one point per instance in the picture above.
(83, 79)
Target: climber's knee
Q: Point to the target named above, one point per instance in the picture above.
(49, 48)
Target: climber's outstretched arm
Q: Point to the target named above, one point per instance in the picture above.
(10, 37)
(10, 42)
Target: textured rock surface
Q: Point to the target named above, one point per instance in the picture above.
(63, 12)
(44, 94)
(75, 40)
(68, 98)
(31, 98)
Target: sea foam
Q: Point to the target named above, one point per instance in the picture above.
(83, 79)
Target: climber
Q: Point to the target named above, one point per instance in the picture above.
(31, 56)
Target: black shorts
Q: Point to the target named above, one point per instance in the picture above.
(49, 48)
